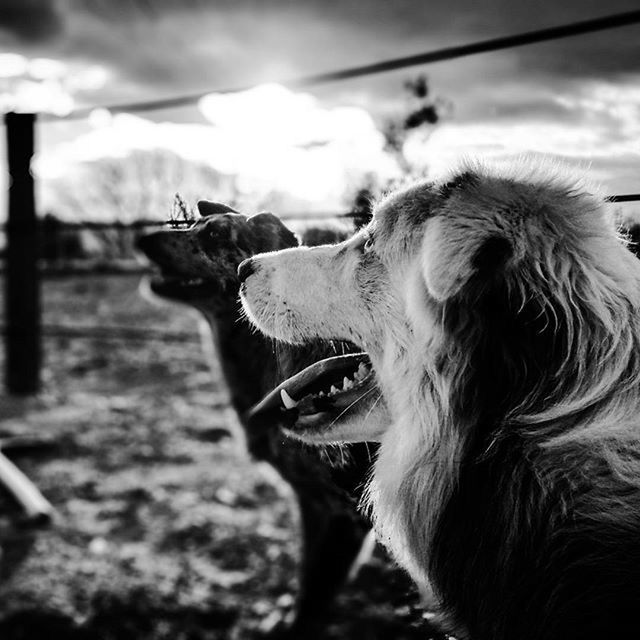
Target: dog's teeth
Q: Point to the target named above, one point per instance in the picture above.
(287, 400)
(333, 390)
(346, 383)
(361, 373)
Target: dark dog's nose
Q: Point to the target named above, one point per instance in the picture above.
(145, 243)
(246, 268)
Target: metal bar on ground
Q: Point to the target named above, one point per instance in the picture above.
(37, 508)
(22, 280)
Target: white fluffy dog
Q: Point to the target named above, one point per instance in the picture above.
(501, 314)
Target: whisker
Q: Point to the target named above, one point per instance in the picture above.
(373, 406)
(364, 395)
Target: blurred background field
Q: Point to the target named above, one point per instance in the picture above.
(160, 516)
(164, 527)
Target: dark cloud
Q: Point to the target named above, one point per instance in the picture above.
(30, 20)
(164, 47)
(593, 57)
(519, 106)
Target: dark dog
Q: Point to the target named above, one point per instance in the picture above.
(198, 267)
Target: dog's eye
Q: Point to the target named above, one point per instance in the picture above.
(368, 245)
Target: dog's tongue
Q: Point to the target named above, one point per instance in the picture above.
(295, 388)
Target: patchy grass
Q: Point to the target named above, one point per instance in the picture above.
(164, 527)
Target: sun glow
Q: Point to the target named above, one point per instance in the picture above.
(272, 139)
(44, 85)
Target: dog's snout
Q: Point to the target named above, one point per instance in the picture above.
(145, 243)
(141, 242)
(246, 268)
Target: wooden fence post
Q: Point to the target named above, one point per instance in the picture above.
(22, 288)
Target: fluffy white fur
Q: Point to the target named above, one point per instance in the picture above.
(501, 312)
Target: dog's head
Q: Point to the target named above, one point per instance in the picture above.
(495, 279)
(199, 265)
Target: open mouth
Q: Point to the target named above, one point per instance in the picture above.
(175, 285)
(174, 275)
(324, 393)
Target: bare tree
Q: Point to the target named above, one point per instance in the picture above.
(140, 185)
(420, 115)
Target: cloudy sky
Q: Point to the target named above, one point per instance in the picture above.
(577, 99)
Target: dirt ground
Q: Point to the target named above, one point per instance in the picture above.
(164, 528)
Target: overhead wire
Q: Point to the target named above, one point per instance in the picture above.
(438, 55)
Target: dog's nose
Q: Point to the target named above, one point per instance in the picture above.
(246, 268)
(144, 243)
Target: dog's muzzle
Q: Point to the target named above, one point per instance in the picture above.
(245, 269)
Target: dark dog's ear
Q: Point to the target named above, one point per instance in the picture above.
(273, 234)
(452, 256)
(208, 208)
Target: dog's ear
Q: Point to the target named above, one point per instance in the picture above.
(452, 257)
(209, 208)
(272, 233)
